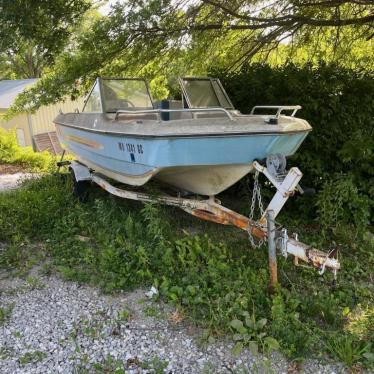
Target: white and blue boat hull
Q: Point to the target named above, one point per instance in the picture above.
(205, 164)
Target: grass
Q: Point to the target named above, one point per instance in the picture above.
(112, 365)
(5, 313)
(32, 357)
(6, 352)
(156, 365)
(124, 315)
(154, 312)
(209, 272)
(348, 350)
(109, 365)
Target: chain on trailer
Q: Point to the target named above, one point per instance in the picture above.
(256, 197)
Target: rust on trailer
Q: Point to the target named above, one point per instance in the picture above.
(317, 258)
(272, 250)
(273, 272)
(211, 210)
(311, 255)
(225, 217)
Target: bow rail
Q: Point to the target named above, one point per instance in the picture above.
(280, 109)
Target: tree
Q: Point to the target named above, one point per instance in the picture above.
(159, 37)
(257, 25)
(32, 33)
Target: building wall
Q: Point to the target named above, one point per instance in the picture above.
(19, 123)
(40, 121)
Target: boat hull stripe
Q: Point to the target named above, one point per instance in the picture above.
(86, 142)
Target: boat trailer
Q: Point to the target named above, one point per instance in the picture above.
(264, 229)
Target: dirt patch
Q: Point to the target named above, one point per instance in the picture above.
(11, 169)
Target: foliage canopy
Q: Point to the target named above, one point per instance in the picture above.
(156, 38)
(32, 33)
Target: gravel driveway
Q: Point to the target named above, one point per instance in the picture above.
(54, 326)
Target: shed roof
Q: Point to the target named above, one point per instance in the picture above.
(9, 89)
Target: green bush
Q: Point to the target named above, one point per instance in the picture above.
(350, 350)
(339, 202)
(12, 153)
(337, 102)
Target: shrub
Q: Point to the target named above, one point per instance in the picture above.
(12, 153)
(339, 202)
(337, 102)
(349, 350)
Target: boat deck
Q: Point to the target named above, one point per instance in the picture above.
(243, 124)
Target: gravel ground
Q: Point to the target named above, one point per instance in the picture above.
(54, 326)
(9, 181)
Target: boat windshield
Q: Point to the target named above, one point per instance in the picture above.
(111, 95)
(125, 94)
(205, 93)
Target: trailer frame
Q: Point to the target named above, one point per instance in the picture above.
(211, 209)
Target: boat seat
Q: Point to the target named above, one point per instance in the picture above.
(189, 115)
(138, 117)
(212, 114)
(180, 115)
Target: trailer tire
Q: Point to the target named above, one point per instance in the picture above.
(80, 188)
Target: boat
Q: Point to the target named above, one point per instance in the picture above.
(200, 144)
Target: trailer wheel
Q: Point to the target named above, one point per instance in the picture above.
(80, 188)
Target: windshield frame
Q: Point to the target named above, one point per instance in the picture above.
(185, 95)
(88, 96)
(99, 81)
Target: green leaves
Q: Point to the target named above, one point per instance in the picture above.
(349, 349)
(369, 356)
(337, 155)
(50, 22)
(251, 334)
(32, 33)
(163, 39)
(238, 326)
(271, 343)
(12, 153)
(238, 347)
(340, 202)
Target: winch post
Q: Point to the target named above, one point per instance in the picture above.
(272, 250)
(285, 188)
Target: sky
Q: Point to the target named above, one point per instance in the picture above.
(104, 9)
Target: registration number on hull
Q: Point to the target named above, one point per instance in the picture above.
(130, 147)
